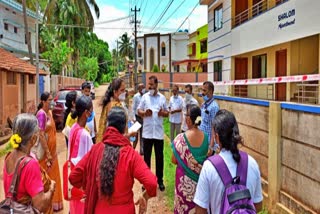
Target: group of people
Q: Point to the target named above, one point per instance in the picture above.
(104, 162)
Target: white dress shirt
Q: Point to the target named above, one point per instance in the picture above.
(186, 102)
(175, 103)
(136, 101)
(153, 125)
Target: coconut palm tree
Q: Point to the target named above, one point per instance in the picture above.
(65, 16)
(125, 46)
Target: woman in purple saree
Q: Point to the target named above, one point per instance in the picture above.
(189, 152)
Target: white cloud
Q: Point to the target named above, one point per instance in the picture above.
(105, 31)
(198, 18)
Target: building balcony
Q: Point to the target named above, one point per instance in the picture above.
(206, 2)
(264, 25)
(254, 11)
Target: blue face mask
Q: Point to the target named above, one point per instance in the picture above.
(205, 98)
(91, 117)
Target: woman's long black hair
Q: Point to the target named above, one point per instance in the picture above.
(117, 119)
(226, 126)
(44, 97)
(114, 86)
(70, 98)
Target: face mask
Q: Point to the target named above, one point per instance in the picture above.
(205, 98)
(122, 96)
(143, 91)
(151, 91)
(175, 96)
(188, 96)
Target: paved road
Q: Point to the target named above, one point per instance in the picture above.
(156, 205)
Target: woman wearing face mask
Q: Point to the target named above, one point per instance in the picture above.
(189, 152)
(114, 95)
(80, 143)
(48, 140)
(31, 189)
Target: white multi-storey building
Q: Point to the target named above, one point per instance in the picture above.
(12, 33)
(249, 39)
(162, 50)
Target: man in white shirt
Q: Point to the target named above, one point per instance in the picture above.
(152, 109)
(188, 100)
(136, 101)
(175, 109)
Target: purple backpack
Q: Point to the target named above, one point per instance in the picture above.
(236, 198)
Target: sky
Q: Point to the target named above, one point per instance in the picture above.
(150, 12)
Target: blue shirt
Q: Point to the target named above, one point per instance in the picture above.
(208, 113)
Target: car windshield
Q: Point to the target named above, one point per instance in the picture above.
(63, 94)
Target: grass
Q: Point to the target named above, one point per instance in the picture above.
(169, 168)
(5, 150)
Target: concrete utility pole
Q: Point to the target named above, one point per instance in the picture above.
(135, 43)
(37, 55)
(118, 64)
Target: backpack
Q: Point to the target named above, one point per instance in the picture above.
(236, 198)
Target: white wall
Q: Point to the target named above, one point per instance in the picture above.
(151, 42)
(219, 44)
(179, 46)
(140, 41)
(164, 60)
(11, 39)
(263, 31)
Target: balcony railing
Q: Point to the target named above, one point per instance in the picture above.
(255, 10)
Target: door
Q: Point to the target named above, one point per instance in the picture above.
(281, 70)
(241, 72)
(22, 95)
(41, 84)
(241, 11)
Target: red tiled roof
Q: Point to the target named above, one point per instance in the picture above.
(10, 62)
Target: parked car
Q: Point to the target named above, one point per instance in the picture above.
(58, 105)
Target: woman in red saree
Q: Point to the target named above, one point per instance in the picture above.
(108, 171)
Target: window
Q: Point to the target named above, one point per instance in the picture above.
(6, 26)
(217, 69)
(25, 38)
(203, 46)
(218, 18)
(163, 49)
(11, 78)
(259, 66)
(139, 51)
(31, 79)
(15, 30)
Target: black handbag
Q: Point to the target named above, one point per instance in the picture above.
(10, 204)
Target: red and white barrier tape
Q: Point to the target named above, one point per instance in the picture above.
(260, 81)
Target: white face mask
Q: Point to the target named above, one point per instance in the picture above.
(143, 91)
(122, 96)
(151, 91)
(188, 96)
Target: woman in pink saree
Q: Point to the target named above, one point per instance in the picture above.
(80, 143)
(189, 152)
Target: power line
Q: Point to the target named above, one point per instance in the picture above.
(162, 14)
(188, 16)
(144, 10)
(113, 20)
(153, 12)
(173, 12)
